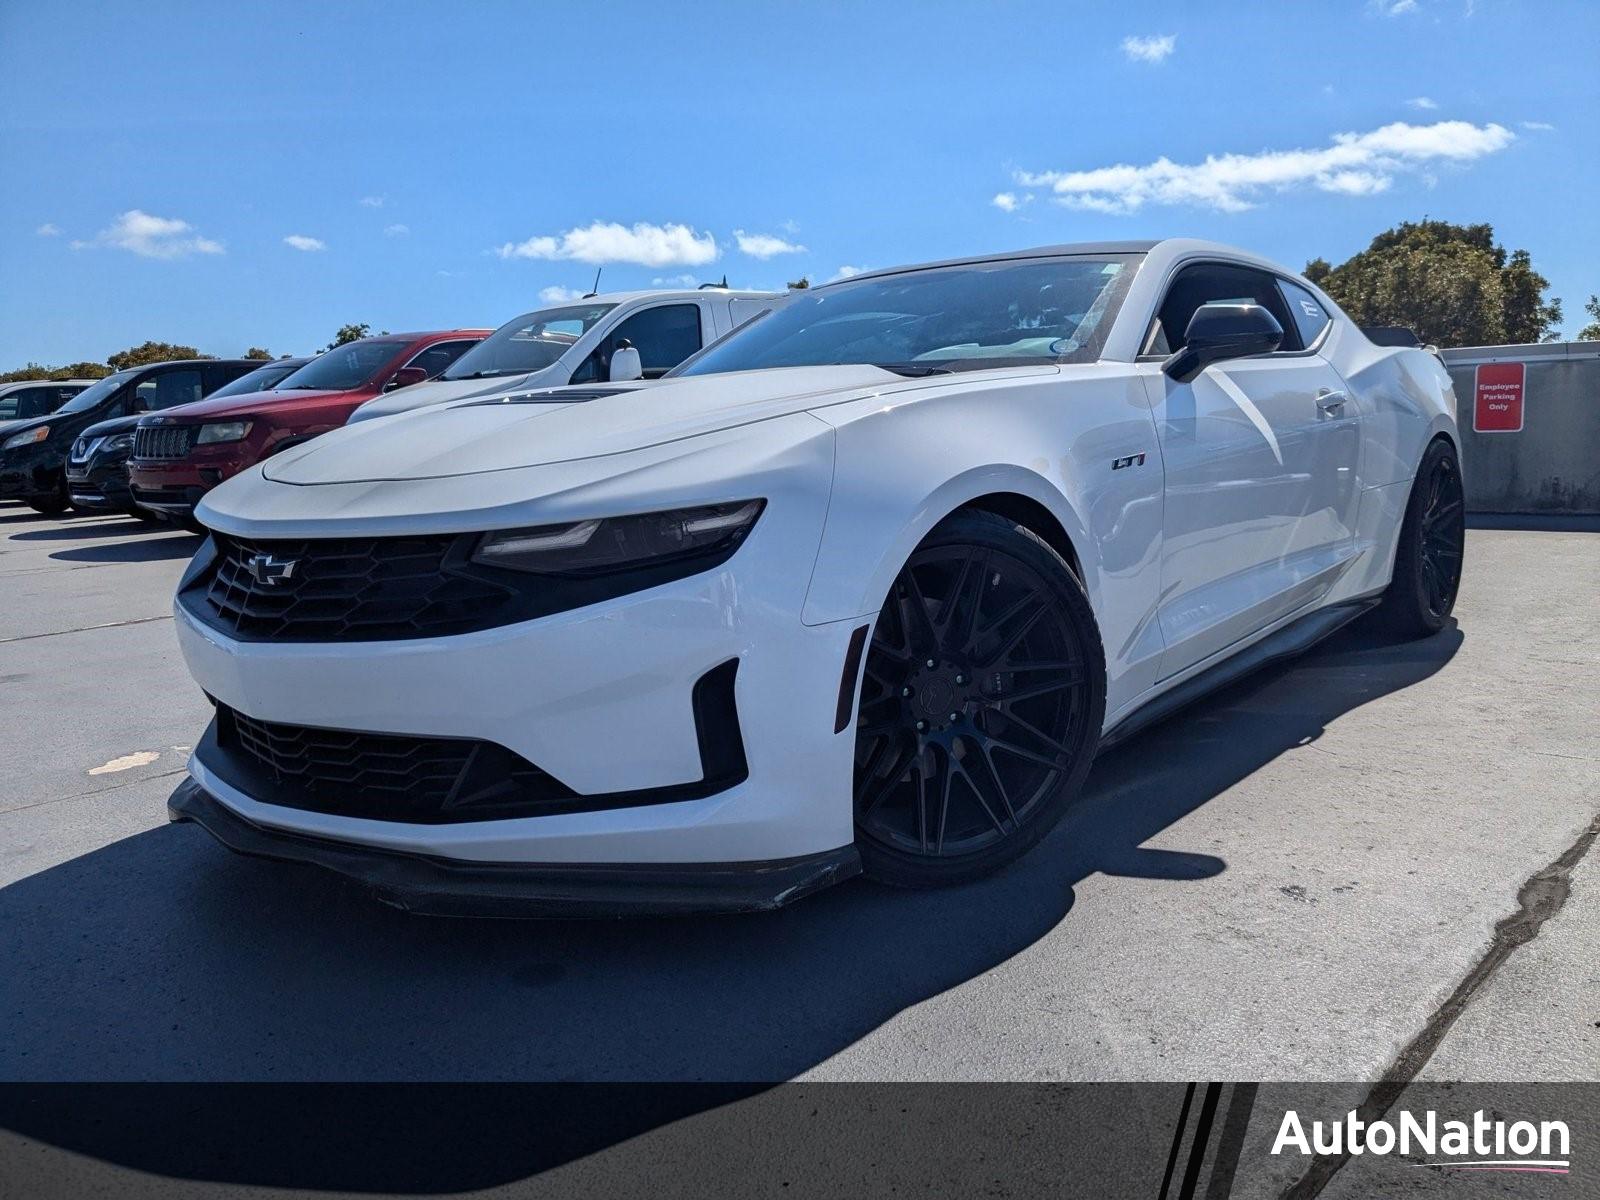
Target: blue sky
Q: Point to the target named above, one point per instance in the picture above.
(443, 165)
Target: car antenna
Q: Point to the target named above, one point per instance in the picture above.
(723, 284)
(596, 289)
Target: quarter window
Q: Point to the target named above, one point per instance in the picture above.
(1217, 283)
(1308, 313)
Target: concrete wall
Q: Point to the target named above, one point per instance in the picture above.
(1552, 465)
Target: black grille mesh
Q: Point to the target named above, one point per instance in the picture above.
(164, 441)
(327, 589)
(384, 776)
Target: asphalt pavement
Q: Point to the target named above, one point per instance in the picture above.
(1376, 854)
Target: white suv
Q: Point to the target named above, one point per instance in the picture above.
(573, 343)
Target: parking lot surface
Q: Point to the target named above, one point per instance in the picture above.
(1299, 879)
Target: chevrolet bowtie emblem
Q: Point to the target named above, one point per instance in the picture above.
(269, 571)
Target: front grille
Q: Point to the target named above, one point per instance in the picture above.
(365, 589)
(164, 441)
(386, 777)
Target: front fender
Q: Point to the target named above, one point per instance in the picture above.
(864, 545)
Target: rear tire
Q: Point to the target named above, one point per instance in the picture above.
(981, 705)
(1428, 555)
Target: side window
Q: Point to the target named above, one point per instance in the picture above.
(440, 355)
(31, 402)
(664, 336)
(1307, 312)
(167, 390)
(1211, 283)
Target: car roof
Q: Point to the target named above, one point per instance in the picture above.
(22, 383)
(664, 294)
(1057, 251)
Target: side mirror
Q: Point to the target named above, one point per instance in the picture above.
(625, 364)
(405, 377)
(1221, 331)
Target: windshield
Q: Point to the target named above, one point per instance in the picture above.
(960, 318)
(260, 379)
(93, 397)
(352, 365)
(530, 343)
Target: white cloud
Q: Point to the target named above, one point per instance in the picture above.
(1355, 164)
(1423, 102)
(607, 242)
(1536, 126)
(301, 242)
(151, 237)
(765, 245)
(846, 273)
(396, 230)
(372, 201)
(48, 229)
(559, 295)
(791, 227)
(1149, 49)
(675, 281)
(1010, 201)
(1393, 8)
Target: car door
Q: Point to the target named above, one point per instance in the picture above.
(1260, 456)
(663, 334)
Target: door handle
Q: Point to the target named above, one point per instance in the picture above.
(1330, 401)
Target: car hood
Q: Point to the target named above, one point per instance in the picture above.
(106, 428)
(534, 429)
(440, 391)
(224, 407)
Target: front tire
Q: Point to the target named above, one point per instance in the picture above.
(51, 503)
(981, 705)
(1428, 555)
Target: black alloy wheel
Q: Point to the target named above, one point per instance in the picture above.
(1429, 555)
(981, 705)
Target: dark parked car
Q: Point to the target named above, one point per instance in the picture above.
(97, 466)
(36, 397)
(33, 453)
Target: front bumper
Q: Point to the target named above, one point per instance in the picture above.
(99, 485)
(441, 887)
(28, 471)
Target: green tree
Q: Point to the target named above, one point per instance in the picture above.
(1591, 331)
(1452, 285)
(151, 352)
(799, 285)
(82, 370)
(258, 352)
(348, 333)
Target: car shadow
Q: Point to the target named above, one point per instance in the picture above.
(176, 544)
(97, 526)
(162, 956)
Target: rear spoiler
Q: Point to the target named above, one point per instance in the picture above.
(1390, 335)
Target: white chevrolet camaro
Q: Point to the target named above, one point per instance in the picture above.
(861, 587)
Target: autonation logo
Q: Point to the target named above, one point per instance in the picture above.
(1479, 1145)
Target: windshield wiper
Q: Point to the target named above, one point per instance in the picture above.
(489, 374)
(914, 370)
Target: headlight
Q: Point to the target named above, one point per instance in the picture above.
(223, 431)
(118, 441)
(613, 543)
(26, 439)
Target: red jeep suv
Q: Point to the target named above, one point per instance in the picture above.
(182, 453)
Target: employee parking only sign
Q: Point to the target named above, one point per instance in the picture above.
(1497, 397)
